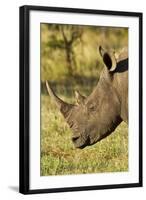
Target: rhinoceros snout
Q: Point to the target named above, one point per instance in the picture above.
(75, 138)
(80, 142)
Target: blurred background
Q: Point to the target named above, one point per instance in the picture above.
(70, 61)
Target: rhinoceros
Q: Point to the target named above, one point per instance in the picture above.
(95, 117)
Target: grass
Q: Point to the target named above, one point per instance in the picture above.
(59, 156)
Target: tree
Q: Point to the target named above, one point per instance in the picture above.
(70, 36)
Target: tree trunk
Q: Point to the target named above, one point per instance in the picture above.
(69, 59)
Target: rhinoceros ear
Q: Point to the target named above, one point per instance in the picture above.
(79, 98)
(108, 59)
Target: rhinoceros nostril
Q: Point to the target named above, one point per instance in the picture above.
(75, 138)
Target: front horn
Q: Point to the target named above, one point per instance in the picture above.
(63, 106)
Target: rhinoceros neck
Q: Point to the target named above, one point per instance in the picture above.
(120, 84)
(103, 87)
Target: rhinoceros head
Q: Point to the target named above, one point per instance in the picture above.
(94, 117)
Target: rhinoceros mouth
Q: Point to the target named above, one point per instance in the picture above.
(80, 142)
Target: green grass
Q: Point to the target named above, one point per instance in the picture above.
(59, 156)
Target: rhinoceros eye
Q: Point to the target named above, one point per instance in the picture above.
(91, 107)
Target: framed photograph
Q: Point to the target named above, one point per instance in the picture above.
(80, 99)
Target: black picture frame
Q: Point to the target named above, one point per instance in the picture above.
(25, 105)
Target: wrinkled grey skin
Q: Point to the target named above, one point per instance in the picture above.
(97, 116)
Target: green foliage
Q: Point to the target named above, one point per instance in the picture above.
(84, 42)
(56, 44)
